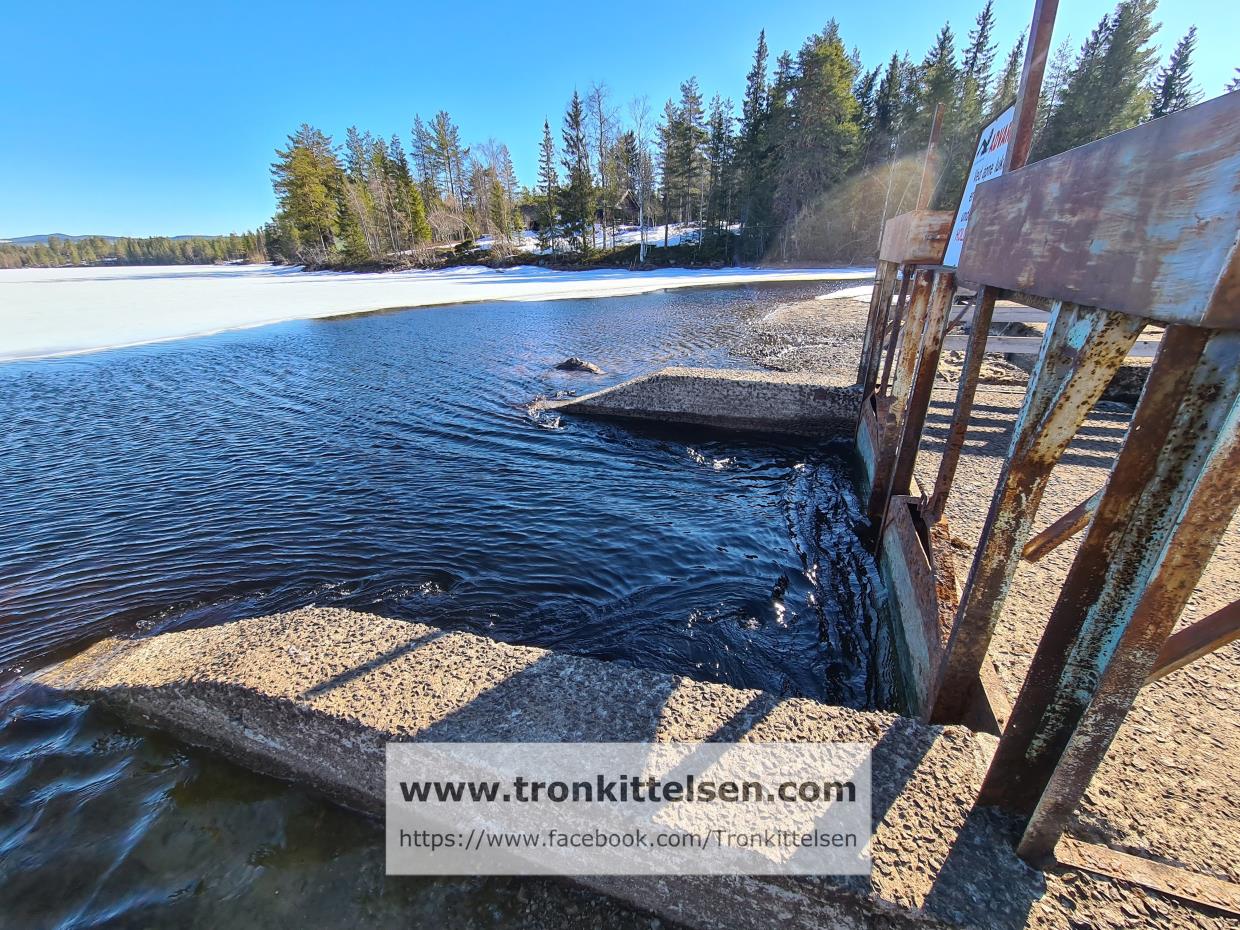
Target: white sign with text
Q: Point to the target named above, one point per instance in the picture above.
(987, 163)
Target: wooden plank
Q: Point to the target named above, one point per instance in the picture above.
(1143, 222)
(1082, 350)
(1157, 876)
(1193, 642)
(917, 237)
(1030, 345)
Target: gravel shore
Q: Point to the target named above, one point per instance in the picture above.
(1165, 790)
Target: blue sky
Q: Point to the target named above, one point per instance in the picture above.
(160, 119)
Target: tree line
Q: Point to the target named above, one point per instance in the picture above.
(61, 251)
(820, 152)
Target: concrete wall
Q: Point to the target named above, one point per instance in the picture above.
(800, 404)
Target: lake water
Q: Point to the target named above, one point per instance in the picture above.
(387, 463)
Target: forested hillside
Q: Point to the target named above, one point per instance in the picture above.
(157, 250)
(822, 147)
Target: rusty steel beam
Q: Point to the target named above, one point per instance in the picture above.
(892, 424)
(1156, 554)
(939, 303)
(1036, 50)
(966, 390)
(876, 324)
(1062, 529)
(1193, 642)
(1019, 772)
(1082, 349)
(1157, 876)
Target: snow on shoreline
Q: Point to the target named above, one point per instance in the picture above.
(65, 311)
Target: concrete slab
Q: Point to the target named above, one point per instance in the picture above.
(797, 403)
(314, 695)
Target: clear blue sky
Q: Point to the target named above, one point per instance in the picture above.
(160, 118)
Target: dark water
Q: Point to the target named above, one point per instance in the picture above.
(387, 463)
(390, 463)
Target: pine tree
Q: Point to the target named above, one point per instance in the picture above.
(548, 189)
(1053, 85)
(307, 178)
(1173, 89)
(1234, 83)
(577, 195)
(940, 78)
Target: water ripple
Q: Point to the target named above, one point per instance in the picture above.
(390, 463)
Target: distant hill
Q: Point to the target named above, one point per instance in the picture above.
(41, 238)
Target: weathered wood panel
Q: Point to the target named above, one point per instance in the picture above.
(918, 237)
(1144, 222)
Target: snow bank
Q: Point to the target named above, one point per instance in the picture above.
(61, 311)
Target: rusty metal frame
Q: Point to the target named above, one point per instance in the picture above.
(1106, 635)
(1081, 350)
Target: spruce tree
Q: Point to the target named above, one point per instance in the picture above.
(1107, 90)
(548, 189)
(752, 144)
(1173, 89)
(822, 145)
(577, 195)
(1009, 78)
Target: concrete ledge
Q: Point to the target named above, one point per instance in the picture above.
(313, 695)
(799, 403)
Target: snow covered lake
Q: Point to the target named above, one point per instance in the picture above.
(60, 311)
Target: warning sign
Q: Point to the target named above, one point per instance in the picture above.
(988, 162)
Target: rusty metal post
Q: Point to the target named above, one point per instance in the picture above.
(1038, 47)
(1193, 642)
(876, 324)
(1062, 529)
(1156, 557)
(1187, 393)
(1081, 350)
(942, 293)
(897, 328)
(891, 421)
(966, 390)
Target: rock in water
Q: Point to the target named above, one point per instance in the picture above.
(579, 364)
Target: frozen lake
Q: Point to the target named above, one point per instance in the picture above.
(61, 311)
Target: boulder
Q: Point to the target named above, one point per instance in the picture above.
(574, 363)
